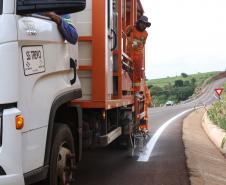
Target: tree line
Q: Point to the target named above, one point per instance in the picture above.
(179, 91)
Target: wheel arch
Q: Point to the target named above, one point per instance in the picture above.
(58, 107)
(60, 101)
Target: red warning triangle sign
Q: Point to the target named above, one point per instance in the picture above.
(219, 91)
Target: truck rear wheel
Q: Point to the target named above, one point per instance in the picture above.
(62, 162)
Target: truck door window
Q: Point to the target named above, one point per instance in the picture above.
(1, 6)
(109, 11)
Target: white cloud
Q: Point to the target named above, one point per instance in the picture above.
(186, 36)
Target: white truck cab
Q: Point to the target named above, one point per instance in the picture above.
(37, 81)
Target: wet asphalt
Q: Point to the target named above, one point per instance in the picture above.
(167, 162)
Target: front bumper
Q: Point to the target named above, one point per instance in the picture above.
(10, 151)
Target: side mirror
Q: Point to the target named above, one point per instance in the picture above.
(58, 6)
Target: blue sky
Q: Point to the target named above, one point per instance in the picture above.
(186, 36)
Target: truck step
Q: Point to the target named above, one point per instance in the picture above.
(108, 138)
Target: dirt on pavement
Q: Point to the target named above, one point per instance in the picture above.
(206, 164)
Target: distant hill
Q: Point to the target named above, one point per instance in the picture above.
(178, 88)
(200, 78)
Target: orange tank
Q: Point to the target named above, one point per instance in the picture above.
(109, 68)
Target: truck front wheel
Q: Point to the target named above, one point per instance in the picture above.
(62, 162)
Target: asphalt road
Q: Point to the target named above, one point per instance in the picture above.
(166, 165)
(165, 158)
(158, 116)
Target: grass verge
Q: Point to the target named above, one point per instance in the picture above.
(217, 113)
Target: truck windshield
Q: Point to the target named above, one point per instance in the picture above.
(1, 6)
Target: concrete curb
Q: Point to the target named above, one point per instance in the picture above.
(216, 134)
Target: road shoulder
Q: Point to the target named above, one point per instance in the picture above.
(205, 162)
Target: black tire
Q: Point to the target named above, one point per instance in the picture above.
(63, 151)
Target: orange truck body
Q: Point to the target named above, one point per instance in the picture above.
(101, 97)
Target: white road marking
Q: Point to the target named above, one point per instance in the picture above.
(144, 157)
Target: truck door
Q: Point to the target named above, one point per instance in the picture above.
(45, 73)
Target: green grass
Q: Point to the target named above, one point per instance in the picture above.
(200, 78)
(164, 89)
(217, 113)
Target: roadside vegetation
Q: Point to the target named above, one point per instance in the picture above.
(200, 78)
(178, 88)
(217, 113)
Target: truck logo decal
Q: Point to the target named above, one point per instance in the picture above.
(30, 28)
